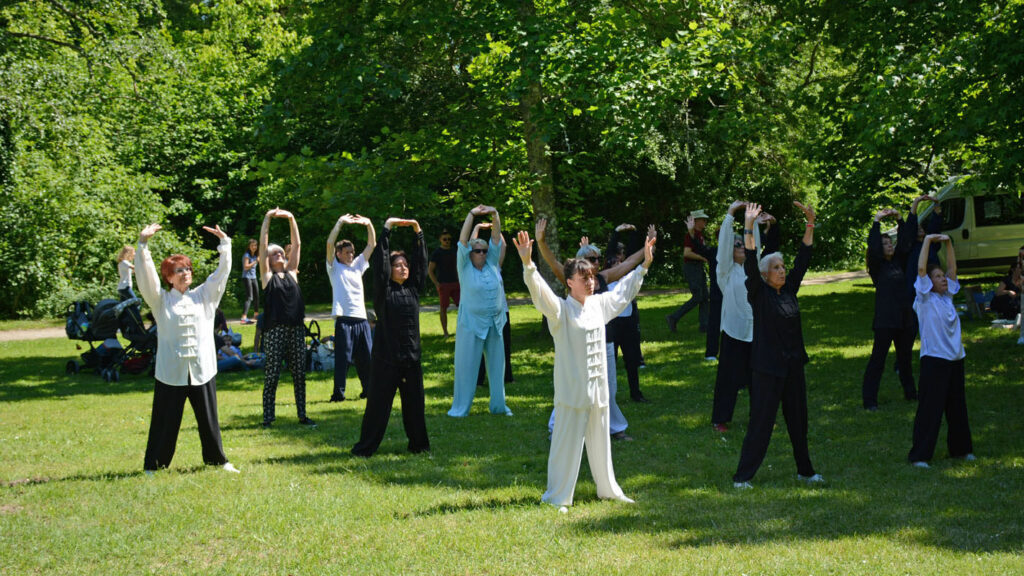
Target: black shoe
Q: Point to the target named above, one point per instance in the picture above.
(871, 408)
(362, 394)
(307, 422)
(640, 398)
(671, 323)
(912, 396)
(622, 436)
(337, 398)
(267, 423)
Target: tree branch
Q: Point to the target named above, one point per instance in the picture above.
(46, 39)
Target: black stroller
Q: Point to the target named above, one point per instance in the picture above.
(100, 323)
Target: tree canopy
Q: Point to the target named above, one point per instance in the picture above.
(592, 113)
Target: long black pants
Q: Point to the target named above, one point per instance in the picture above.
(942, 390)
(506, 337)
(711, 346)
(697, 279)
(284, 343)
(627, 339)
(408, 381)
(733, 375)
(766, 392)
(165, 422)
(903, 339)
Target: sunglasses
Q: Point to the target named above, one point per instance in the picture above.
(592, 259)
(446, 239)
(479, 251)
(183, 269)
(737, 244)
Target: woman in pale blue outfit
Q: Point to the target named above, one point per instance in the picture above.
(481, 316)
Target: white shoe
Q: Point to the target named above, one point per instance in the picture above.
(150, 472)
(742, 485)
(816, 479)
(1020, 341)
(920, 464)
(710, 359)
(230, 468)
(970, 457)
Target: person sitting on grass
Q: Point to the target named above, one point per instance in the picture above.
(230, 358)
(942, 360)
(186, 367)
(777, 356)
(576, 324)
(1006, 301)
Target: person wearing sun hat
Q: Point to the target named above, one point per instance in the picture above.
(693, 271)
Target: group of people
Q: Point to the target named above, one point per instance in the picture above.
(753, 326)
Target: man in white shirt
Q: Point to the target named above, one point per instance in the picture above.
(353, 340)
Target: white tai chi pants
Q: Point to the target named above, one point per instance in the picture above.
(574, 429)
(617, 423)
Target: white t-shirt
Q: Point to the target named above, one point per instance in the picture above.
(937, 320)
(124, 271)
(347, 286)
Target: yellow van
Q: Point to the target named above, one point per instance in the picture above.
(987, 229)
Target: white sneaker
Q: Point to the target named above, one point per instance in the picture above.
(920, 464)
(1020, 341)
(230, 468)
(150, 472)
(742, 485)
(970, 457)
(710, 359)
(816, 479)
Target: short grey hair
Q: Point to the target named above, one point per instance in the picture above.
(477, 242)
(588, 251)
(766, 262)
(271, 248)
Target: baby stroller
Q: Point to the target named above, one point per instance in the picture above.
(101, 323)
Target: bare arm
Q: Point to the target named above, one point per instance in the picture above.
(371, 237)
(557, 268)
(749, 221)
(922, 260)
(264, 242)
(809, 228)
(432, 273)
(293, 262)
(950, 257)
(467, 225)
(333, 237)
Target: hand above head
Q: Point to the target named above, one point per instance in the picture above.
(807, 210)
(478, 210)
(148, 232)
(752, 212)
(737, 204)
(584, 241)
(483, 225)
(764, 217)
(539, 229)
(649, 252)
(652, 232)
(524, 246)
(623, 227)
(689, 223)
(391, 222)
(216, 231)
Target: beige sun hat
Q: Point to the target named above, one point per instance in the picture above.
(699, 213)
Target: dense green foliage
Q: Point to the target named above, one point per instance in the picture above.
(115, 113)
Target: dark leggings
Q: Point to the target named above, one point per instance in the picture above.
(284, 343)
(252, 296)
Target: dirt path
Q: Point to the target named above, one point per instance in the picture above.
(58, 332)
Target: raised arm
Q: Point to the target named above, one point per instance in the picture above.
(216, 283)
(726, 236)
(264, 242)
(146, 277)
(544, 299)
(293, 261)
(950, 257)
(467, 224)
(922, 260)
(557, 268)
(809, 227)
(632, 261)
(333, 237)
(381, 258)
(371, 236)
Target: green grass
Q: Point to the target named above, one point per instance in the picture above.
(73, 498)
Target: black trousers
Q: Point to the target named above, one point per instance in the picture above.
(506, 336)
(766, 392)
(903, 340)
(698, 282)
(165, 422)
(942, 390)
(627, 339)
(387, 378)
(733, 375)
(714, 322)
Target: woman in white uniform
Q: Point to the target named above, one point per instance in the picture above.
(581, 379)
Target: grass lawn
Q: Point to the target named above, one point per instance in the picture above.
(73, 499)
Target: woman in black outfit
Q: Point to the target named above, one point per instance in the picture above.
(894, 322)
(399, 281)
(284, 316)
(777, 355)
(1006, 302)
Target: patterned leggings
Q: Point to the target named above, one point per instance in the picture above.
(284, 343)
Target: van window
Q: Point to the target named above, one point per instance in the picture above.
(997, 210)
(952, 213)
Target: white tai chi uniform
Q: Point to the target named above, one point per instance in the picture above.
(581, 383)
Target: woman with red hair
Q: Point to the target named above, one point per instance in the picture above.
(186, 362)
